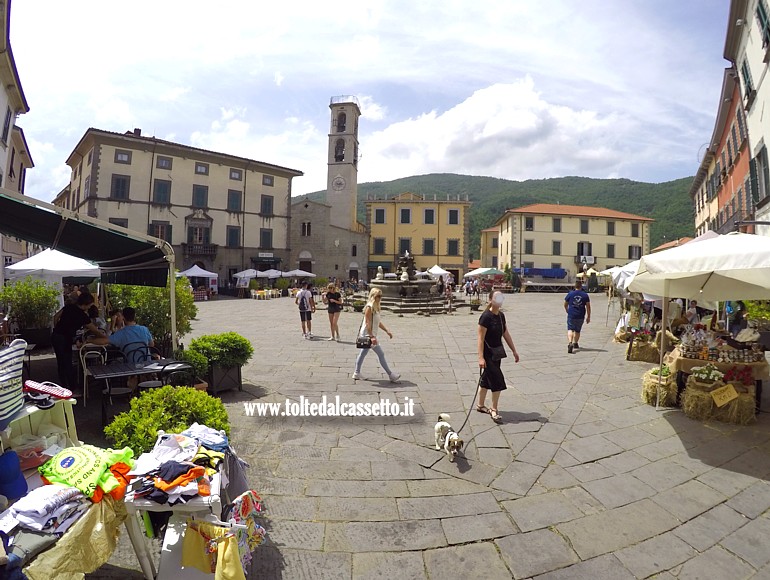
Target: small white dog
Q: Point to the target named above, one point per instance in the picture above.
(446, 438)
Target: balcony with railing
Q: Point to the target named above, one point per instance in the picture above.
(200, 249)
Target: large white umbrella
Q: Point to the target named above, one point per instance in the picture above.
(732, 266)
(198, 272)
(250, 273)
(298, 274)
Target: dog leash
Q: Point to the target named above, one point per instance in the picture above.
(470, 410)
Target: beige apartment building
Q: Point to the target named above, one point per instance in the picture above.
(488, 245)
(432, 230)
(552, 236)
(221, 212)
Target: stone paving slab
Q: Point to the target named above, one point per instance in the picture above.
(541, 511)
(356, 509)
(618, 490)
(710, 527)
(618, 528)
(663, 474)
(394, 537)
(745, 542)
(466, 529)
(471, 561)
(655, 555)
(535, 553)
(335, 488)
(378, 565)
(607, 566)
(426, 508)
(716, 562)
(689, 499)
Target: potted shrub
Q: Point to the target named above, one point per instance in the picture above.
(358, 305)
(171, 409)
(283, 285)
(200, 365)
(32, 305)
(226, 353)
(475, 303)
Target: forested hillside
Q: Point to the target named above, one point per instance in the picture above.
(667, 203)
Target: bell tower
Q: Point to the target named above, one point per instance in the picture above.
(342, 174)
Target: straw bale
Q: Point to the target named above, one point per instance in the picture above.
(644, 351)
(699, 405)
(668, 390)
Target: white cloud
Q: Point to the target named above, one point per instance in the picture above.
(497, 88)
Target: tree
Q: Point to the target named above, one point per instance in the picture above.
(153, 308)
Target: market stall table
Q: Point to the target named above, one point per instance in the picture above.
(683, 366)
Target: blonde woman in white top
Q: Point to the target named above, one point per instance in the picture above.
(369, 327)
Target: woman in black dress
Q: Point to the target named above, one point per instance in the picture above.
(492, 331)
(67, 322)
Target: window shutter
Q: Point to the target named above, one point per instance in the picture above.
(168, 233)
(189, 234)
(754, 185)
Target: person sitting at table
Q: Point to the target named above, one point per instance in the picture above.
(692, 313)
(131, 334)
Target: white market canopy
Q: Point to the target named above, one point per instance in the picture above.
(198, 272)
(52, 266)
(484, 272)
(438, 271)
(250, 273)
(272, 273)
(733, 266)
(298, 274)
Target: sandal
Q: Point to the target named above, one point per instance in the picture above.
(496, 417)
(482, 409)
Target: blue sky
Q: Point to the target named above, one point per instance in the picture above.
(507, 88)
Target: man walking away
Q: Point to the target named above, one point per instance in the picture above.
(304, 300)
(577, 305)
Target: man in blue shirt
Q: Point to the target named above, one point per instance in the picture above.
(577, 305)
(132, 334)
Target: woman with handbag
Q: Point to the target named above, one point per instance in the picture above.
(369, 327)
(492, 331)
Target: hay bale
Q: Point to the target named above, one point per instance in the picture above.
(645, 351)
(740, 411)
(697, 404)
(668, 390)
(671, 340)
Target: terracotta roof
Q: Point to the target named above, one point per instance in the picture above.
(490, 230)
(577, 210)
(671, 244)
(473, 264)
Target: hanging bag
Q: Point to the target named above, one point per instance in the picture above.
(498, 352)
(363, 340)
(11, 388)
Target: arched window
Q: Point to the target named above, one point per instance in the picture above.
(305, 229)
(339, 150)
(341, 122)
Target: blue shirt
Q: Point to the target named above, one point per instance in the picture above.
(576, 303)
(130, 333)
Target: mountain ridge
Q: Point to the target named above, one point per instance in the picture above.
(668, 203)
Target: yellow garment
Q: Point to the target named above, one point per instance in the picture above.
(211, 548)
(83, 548)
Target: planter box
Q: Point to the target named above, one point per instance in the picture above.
(200, 384)
(224, 378)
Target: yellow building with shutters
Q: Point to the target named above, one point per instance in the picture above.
(552, 236)
(433, 229)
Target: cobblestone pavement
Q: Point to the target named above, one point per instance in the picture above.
(581, 480)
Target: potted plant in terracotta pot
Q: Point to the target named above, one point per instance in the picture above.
(358, 305)
(32, 304)
(475, 303)
(226, 353)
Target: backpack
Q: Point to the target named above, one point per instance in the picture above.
(303, 302)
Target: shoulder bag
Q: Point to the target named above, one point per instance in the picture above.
(498, 352)
(363, 340)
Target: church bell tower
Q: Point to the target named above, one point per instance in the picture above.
(342, 174)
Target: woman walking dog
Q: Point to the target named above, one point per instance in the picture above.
(492, 331)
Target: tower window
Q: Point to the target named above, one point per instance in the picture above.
(339, 150)
(341, 122)
(305, 229)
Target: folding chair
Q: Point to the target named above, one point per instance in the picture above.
(90, 354)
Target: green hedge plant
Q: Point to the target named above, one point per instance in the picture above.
(32, 302)
(171, 409)
(198, 361)
(227, 349)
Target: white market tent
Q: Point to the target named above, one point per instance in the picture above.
(250, 273)
(198, 272)
(52, 266)
(484, 272)
(438, 271)
(298, 274)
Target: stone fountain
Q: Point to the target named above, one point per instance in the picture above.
(406, 285)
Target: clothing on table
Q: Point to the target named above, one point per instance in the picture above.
(244, 510)
(212, 549)
(492, 378)
(209, 459)
(58, 520)
(88, 469)
(208, 437)
(173, 473)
